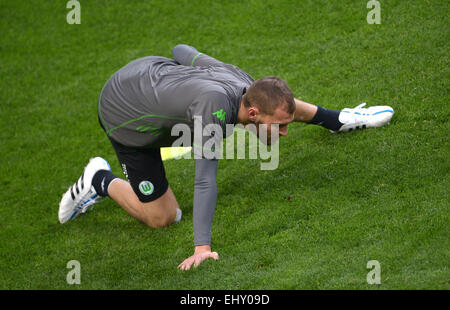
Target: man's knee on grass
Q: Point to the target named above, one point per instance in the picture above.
(158, 221)
(157, 216)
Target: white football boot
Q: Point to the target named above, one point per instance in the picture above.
(360, 118)
(82, 194)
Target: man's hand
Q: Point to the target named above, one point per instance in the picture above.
(201, 253)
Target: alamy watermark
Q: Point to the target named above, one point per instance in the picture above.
(374, 15)
(207, 142)
(74, 275)
(374, 275)
(74, 15)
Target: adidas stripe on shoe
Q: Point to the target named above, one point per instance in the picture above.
(80, 196)
(360, 118)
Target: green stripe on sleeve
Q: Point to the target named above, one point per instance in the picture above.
(193, 59)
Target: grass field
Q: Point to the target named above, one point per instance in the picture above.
(334, 203)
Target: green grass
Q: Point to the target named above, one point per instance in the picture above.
(334, 203)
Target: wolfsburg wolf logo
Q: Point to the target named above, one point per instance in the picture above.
(146, 187)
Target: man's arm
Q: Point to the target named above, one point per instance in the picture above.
(188, 56)
(304, 111)
(205, 197)
(317, 115)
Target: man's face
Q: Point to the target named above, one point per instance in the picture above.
(280, 117)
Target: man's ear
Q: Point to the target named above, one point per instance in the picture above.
(252, 113)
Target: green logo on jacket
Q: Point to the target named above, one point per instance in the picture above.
(220, 115)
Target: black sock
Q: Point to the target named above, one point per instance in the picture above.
(327, 118)
(101, 181)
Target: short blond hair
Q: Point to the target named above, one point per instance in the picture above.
(269, 93)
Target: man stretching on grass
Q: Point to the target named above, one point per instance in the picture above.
(143, 101)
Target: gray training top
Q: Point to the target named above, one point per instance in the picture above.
(141, 103)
